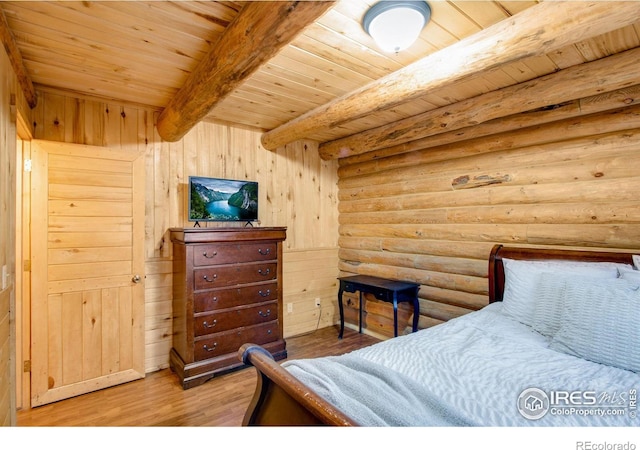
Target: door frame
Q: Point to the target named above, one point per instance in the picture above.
(22, 266)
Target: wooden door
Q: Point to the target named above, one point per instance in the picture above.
(87, 263)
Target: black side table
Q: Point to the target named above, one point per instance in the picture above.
(386, 290)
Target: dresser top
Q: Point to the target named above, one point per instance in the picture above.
(221, 234)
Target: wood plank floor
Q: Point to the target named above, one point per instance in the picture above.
(159, 400)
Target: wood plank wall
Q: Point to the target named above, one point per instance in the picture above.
(297, 189)
(431, 215)
(10, 98)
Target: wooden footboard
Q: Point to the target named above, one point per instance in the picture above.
(280, 399)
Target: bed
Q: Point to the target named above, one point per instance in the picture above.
(557, 345)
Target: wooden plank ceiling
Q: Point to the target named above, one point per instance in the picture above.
(144, 52)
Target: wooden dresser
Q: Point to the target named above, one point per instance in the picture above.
(227, 291)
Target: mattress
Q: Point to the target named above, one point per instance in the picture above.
(481, 369)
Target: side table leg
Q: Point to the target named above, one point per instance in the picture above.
(360, 318)
(416, 309)
(340, 291)
(395, 314)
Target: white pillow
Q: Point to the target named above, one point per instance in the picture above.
(550, 293)
(520, 281)
(630, 275)
(599, 323)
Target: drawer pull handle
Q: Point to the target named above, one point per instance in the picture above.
(210, 349)
(267, 314)
(264, 252)
(209, 256)
(208, 325)
(268, 331)
(210, 280)
(265, 294)
(264, 272)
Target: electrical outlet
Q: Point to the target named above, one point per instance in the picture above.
(317, 302)
(289, 307)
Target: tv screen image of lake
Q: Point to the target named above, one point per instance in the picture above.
(222, 210)
(223, 200)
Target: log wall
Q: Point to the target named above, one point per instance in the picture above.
(297, 190)
(430, 211)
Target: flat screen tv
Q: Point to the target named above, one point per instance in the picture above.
(222, 200)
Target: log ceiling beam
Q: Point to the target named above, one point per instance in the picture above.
(259, 31)
(15, 57)
(612, 73)
(538, 30)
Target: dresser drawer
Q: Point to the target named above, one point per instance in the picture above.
(230, 341)
(230, 319)
(213, 254)
(229, 298)
(220, 276)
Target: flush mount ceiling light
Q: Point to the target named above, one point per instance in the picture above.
(396, 25)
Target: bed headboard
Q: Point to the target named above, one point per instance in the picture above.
(499, 251)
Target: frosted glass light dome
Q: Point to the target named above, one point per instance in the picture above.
(395, 25)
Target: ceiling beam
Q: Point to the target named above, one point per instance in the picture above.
(259, 31)
(15, 57)
(537, 30)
